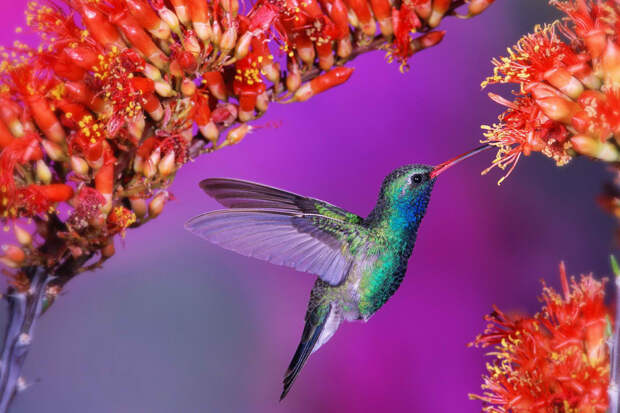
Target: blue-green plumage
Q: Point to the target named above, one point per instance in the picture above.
(359, 262)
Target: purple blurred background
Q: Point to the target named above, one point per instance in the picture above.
(174, 324)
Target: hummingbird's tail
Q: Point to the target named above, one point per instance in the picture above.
(322, 322)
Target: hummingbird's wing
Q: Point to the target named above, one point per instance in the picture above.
(237, 193)
(311, 243)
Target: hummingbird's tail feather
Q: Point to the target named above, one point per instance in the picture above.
(321, 324)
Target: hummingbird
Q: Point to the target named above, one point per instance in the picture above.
(360, 262)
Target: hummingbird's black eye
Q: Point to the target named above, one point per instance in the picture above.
(417, 179)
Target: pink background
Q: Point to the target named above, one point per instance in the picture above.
(173, 324)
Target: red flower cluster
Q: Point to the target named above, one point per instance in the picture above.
(568, 100)
(554, 362)
(96, 120)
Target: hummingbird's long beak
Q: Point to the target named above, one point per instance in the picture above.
(447, 164)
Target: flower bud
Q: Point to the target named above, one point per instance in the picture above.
(345, 47)
(187, 135)
(175, 68)
(243, 45)
(138, 164)
(478, 6)
(138, 206)
(611, 63)
(150, 168)
(44, 175)
(136, 125)
(155, 156)
(428, 40)
(53, 150)
(589, 146)
(262, 102)
(22, 236)
(216, 35)
(306, 52)
(16, 128)
(558, 109)
(386, 27)
(237, 134)
(13, 253)
(210, 131)
(439, 8)
(565, 82)
(191, 43)
(108, 250)
(423, 9)
(353, 20)
(595, 41)
(164, 89)
(542, 90)
(203, 31)
(272, 72)
(215, 83)
(79, 165)
(188, 87)
(157, 204)
(170, 19)
(591, 81)
(151, 72)
(168, 164)
(229, 39)
(230, 6)
(293, 77)
(9, 263)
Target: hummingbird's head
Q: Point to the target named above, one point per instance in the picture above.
(406, 191)
(408, 186)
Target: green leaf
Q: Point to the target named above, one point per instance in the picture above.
(614, 265)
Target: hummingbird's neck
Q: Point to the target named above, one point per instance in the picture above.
(398, 219)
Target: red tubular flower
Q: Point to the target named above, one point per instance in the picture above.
(556, 361)
(568, 75)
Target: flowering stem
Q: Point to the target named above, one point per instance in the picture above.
(24, 309)
(614, 342)
(26, 304)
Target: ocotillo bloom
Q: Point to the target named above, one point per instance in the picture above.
(98, 118)
(567, 99)
(555, 361)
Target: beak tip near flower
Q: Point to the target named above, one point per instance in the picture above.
(451, 162)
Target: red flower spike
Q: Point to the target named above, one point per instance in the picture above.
(571, 69)
(556, 361)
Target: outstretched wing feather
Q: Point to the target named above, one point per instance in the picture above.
(240, 194)
(310, 243)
